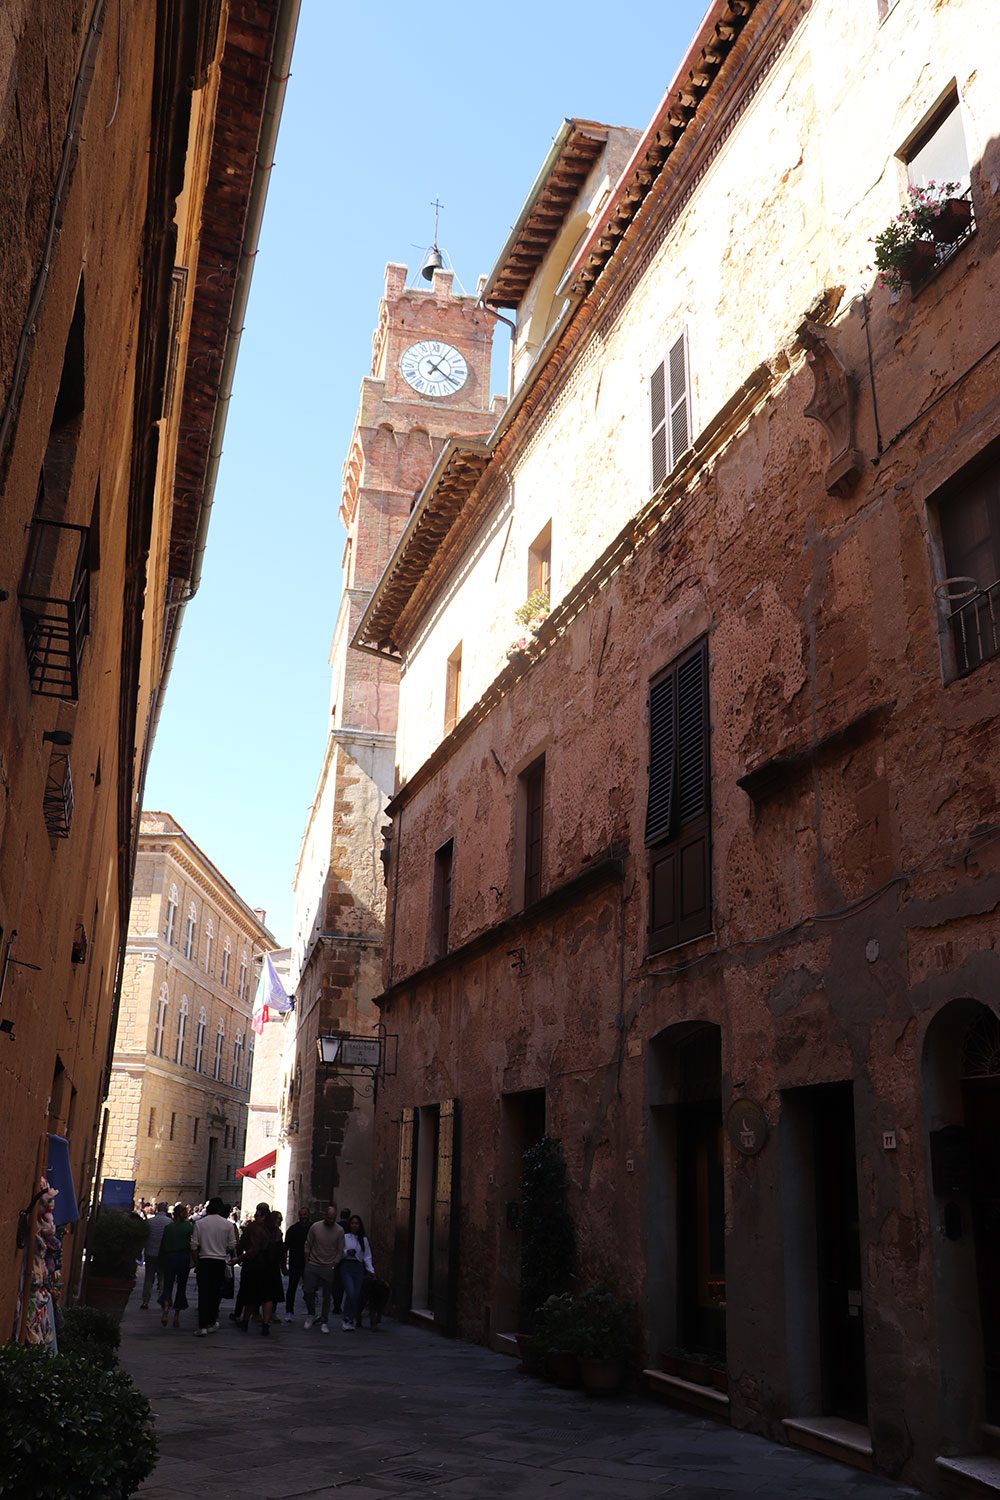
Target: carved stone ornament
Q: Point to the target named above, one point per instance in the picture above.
(747, 1125)
(832, 405)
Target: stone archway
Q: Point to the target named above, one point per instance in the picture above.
(961, 1076)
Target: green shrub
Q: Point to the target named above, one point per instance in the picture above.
(116, 1239)
(553, 1326)
(70, 1429)
(601, 1326)
(92, 1333)
(548, 1235)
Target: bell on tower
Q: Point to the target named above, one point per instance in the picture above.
(434, 261)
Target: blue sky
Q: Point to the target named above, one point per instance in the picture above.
(388, 107)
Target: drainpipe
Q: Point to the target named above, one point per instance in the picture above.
(284, 42)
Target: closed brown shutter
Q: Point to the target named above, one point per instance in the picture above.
(446, 1197)
(658, 424)
(662, 762)
(677, 809)
(402, 1259)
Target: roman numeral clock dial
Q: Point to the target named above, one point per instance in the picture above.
(433, 368)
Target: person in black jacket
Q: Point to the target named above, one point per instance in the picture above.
(295, 1258)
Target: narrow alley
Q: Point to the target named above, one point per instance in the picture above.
(403, 1412)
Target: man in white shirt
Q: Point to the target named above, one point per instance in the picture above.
(151, 1253)
(213, 1246)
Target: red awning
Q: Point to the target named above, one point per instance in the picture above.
(254, 1168)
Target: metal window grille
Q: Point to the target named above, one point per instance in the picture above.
(55, 606)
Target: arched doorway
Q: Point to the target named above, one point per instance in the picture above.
(686, 1279)
(962, 1088)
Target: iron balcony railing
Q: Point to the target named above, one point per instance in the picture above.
(57, 799)
(974, 622)
(55, 606)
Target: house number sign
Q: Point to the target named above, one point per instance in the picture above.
(747, 1126)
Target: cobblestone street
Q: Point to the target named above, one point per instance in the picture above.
(402, 1412)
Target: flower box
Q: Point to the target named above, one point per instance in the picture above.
(953, 221)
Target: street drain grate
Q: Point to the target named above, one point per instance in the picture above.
(415, 1476)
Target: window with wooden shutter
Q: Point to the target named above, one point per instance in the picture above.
(679, 402)
(669, 411)
(441, 910)
(678, 833)
(658, 424)
(533, 794)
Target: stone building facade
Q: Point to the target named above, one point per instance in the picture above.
(184, 1047)
(703, 881)
(402, 424)
(132, 139)
(264, 1178)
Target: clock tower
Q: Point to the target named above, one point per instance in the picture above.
(429, 381)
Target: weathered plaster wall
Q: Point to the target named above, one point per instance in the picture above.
(786, 209)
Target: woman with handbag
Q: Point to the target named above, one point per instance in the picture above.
(260, 1284)
(357, 1260)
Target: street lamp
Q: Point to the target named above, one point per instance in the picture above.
(328, 1048)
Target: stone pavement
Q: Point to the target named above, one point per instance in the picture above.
(403, 1412)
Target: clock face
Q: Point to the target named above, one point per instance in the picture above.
(433, 368)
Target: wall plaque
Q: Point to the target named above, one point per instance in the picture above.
(747, 1126)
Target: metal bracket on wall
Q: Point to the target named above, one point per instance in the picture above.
(7, 1025)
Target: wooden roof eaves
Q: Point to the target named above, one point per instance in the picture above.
(575, 148)
(682, 106)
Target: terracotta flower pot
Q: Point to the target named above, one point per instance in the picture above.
(919, 262)
(562, 1368)
(720, 1380)
(952, 222)
(109, 1293)
(602, 1377)
(670, 1364)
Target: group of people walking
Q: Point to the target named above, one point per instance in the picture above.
(330, 1256)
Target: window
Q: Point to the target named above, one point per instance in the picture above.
(161, 1022)
(209, 943)
(227, 958)
(182, 1020)
(250, 1058)
(152, 1122)
(669, 411)
(170, 924)
(242, 987)
(937, 153)
(441, 909)
(237, 1058)
(677, 808)
(540, 563)
(533, 798)
(199, 1041)
(173, 1124)
(190, 929)
(225, 1138)
(453, 689)
(970, 539)
(194, 1133)
(219, 1037)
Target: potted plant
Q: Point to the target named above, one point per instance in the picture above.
(115, 1242)
(531, 616)
(906, 250)
(554, 1340)
(602, 1340)
(71, 1426)
(548, 1235)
